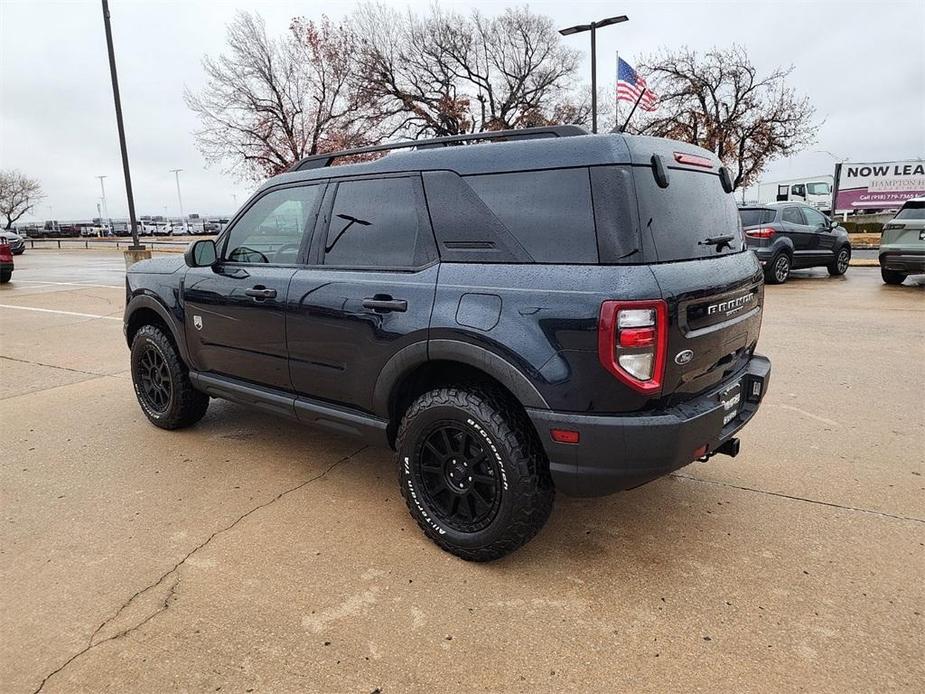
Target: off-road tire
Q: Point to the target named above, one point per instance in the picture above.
(840, 266)
(185, 405)
(526, 491)
(778, 270)
(892, 276)
(5, 276)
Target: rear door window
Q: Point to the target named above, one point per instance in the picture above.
(793, 215)
(548, 212)
(376, 223)
(814, 218)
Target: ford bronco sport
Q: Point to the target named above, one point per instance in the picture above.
(513, 313)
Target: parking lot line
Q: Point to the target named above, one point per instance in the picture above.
(64, 313)
(71, 284)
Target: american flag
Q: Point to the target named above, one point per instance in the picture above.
(630, 84)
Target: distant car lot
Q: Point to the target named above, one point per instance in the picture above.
(153, 559)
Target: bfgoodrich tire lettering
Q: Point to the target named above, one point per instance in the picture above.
(172, 403)
(489, 434)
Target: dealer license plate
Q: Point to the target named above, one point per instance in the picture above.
(730, 399)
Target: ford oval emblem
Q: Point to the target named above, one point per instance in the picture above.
(683, 357)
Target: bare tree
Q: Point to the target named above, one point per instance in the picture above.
(269, 102)
(719, 101)
(18, 195)
(445, 74)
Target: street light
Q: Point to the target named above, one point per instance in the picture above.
(121, 127)
(176, 172)
(105, 206)
(593, 27)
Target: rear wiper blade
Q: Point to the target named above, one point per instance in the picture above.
(719, 241)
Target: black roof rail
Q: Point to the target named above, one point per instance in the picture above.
(319, 161)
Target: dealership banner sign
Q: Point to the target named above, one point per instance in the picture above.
(880, 185)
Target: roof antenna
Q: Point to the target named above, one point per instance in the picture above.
(638, 99)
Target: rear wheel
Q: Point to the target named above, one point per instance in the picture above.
(161, 381)
(5, 276)
(778, 270)
(892, 276)
(472, 473)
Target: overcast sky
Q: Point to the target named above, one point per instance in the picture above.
(862, 63)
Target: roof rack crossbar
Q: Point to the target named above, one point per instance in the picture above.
(319, 161)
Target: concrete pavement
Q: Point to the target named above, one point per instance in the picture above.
(246, 554)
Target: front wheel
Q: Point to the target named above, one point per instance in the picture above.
(892, 276)
(162, 383)
(472, 473)
(778, 270)
(840, 266)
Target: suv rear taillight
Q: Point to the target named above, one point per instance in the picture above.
(632, 341)
(765, 233)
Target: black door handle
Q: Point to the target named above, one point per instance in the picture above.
(261, 292)
(382, 303)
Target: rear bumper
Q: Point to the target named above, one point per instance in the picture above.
(619, 452)
(911, 261)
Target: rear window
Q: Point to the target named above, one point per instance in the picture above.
(753, 218)
(685, 217)
(912, 210)
(548, 212)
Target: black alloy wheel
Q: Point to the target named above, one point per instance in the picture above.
(156, 387)
(459, 477)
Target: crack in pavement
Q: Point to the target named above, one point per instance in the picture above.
(52, 366)
(830, 504)
(171, 594)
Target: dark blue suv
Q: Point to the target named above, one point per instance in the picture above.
(512, 312)
(790, 236)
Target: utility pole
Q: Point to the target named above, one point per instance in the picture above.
(593, 27)
(118, 103)
(176, 172)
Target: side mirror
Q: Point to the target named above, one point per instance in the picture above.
(201, 253)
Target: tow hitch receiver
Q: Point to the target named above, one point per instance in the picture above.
(730, 448)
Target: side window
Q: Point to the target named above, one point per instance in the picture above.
(271, 230)
(548, 212)
(814, 218)
(792, 215)
(375, 223)
(798, 189)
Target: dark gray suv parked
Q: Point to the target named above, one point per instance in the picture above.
(514, 313)
(789, 236)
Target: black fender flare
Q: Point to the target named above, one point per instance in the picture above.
(411, 357)
(784, 245)
(140, 301)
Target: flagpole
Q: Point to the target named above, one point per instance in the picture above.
(616, 120)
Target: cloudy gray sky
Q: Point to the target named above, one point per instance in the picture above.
(862, 63)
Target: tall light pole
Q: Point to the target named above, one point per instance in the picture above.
(176, 172)
(105, 206)
(121, 127)
(593, 27)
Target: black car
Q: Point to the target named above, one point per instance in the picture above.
(789, 236)
(513, 313)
